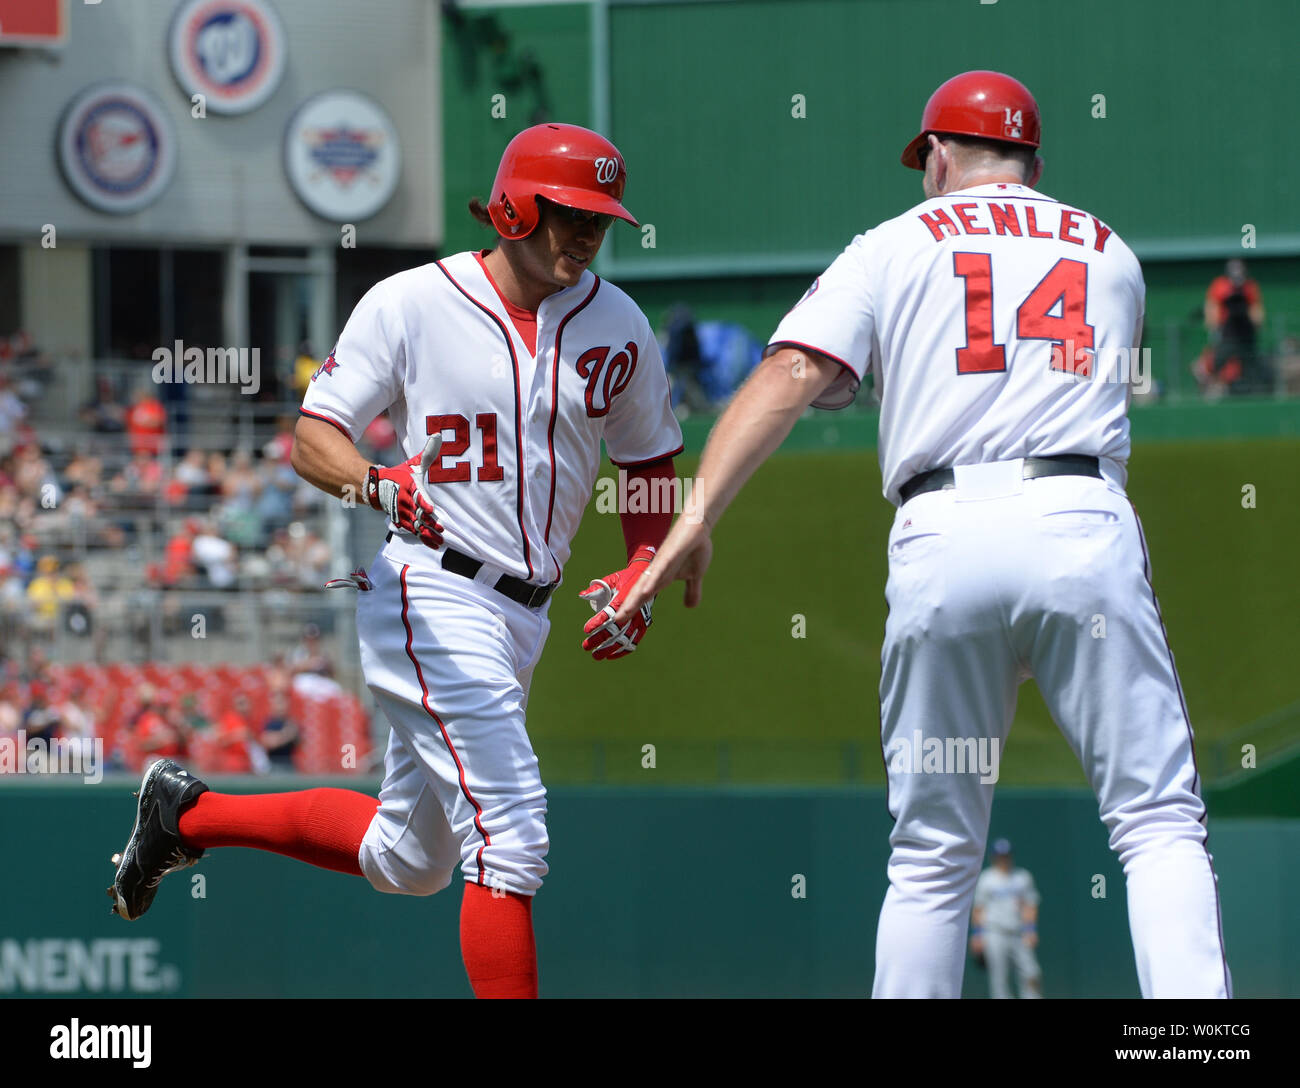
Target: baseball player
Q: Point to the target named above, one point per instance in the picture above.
(995, 320)
(502, 371)
(1004, 925)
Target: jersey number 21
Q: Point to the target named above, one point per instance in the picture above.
(458, 472)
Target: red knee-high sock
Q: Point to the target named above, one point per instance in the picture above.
(496, 941)
(322, 827)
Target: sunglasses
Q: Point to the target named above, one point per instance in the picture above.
(600, 220)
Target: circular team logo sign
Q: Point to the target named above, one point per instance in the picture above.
(230, 51)
(116, 148)
(342, 156)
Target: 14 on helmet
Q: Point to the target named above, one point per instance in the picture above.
(989, 105)
(565, 164)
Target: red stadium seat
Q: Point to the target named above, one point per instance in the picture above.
(326, 725)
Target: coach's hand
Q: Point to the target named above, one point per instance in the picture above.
(400, 493)
(606, 637)
(684, 556)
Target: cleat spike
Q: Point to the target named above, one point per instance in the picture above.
(117, 859)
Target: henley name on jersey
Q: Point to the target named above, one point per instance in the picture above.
(998, 323)
(1018, 219)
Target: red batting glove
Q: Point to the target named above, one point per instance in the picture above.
(606, 639)
(400, 493)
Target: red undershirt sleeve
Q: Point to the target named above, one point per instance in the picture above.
(649, 528)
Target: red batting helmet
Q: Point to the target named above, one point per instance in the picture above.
(563, 163)
(985, 104)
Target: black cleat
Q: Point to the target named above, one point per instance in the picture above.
(154, 848)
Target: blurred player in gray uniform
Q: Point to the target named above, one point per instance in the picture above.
(1004, 925)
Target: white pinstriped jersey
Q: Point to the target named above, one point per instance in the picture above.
(971, 309)
(521, 434)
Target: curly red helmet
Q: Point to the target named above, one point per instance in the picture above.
(985, 104)
(565, 164)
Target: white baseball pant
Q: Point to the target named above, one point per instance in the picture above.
(990, 582)
(449, 661)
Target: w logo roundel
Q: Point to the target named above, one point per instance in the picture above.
(604, 383)
(606, 169)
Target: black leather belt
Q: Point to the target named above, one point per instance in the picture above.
(527, 594)
(1065, 464)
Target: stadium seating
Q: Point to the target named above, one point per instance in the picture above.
(326, 725)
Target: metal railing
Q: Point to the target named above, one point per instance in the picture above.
(1177, 346)
(188, 627)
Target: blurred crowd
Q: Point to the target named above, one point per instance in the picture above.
(37, 704)
(232, 743)
(96, 494)
(34, 705)
(189, 517)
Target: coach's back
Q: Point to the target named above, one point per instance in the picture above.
(998, 322)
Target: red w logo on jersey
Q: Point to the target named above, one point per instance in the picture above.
(604, 383)
(326, 368)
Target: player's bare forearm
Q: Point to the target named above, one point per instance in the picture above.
(326, 458)
(753, 426)
(755, 423)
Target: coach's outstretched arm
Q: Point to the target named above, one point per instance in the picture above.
(755, 423)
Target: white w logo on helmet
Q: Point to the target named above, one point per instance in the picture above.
(606, 169)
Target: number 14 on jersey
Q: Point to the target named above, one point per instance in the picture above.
(1064, 288)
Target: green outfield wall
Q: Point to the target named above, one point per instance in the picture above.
(749, 201)
(773, 678)
(652, 892)
(784, 119)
